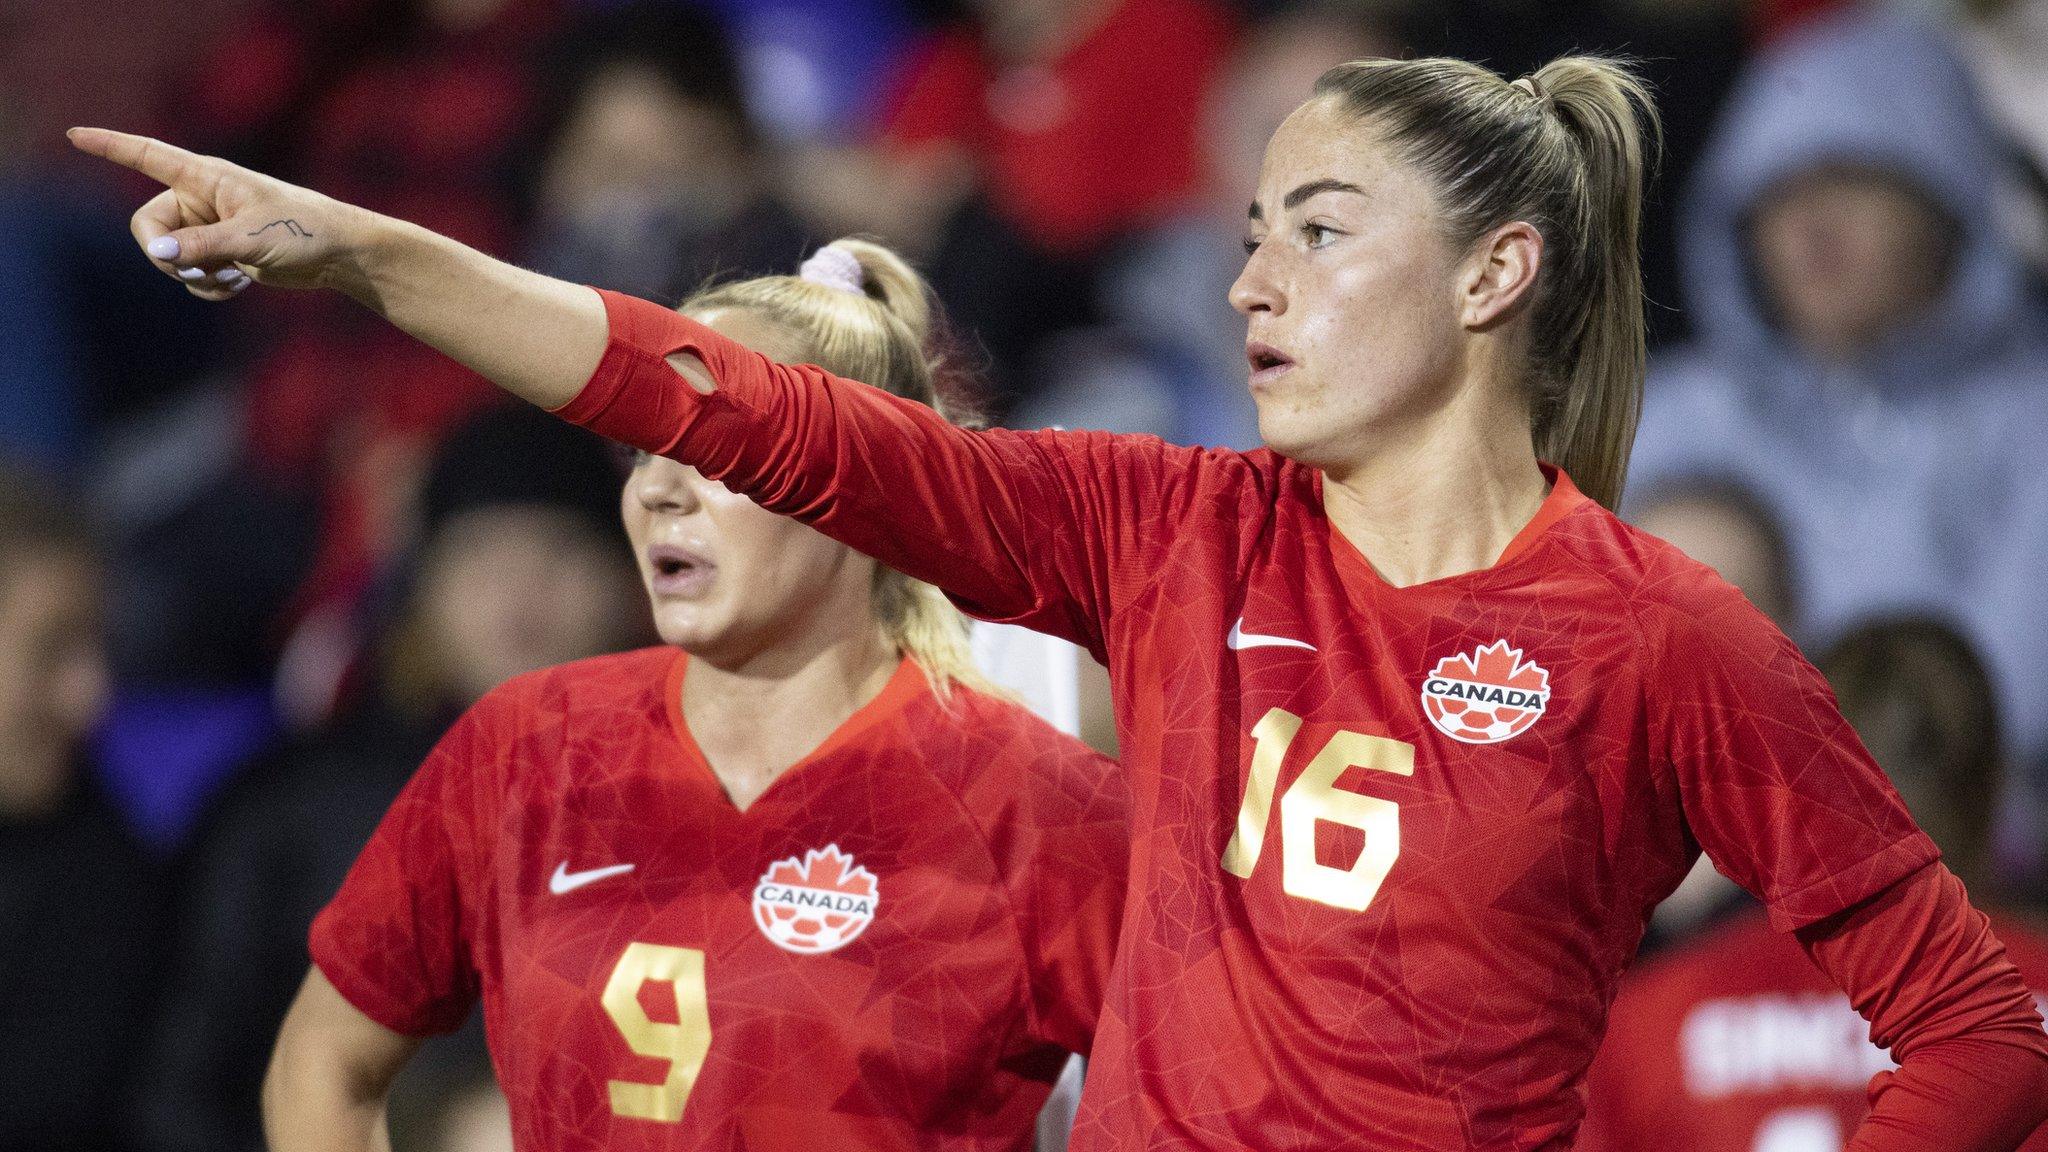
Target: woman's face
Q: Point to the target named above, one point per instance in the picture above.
(1351, 292)
(729, 580)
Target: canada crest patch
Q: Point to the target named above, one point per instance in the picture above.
(1487, 695)
(815, 904)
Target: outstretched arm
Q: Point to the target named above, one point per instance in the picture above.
(1044, 529)
(217, 226)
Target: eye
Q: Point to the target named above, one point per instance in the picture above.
(1318, 235)
(1251, 244)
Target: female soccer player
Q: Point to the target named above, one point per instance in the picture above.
(1418, 731)
(801, 884)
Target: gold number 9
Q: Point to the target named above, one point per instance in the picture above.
(683, 1044)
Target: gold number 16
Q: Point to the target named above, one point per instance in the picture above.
(1314, 796)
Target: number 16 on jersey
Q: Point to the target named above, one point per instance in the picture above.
(1314, 796)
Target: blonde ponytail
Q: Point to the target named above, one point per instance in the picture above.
(1567, 149)
(884, 335)
(1589, 423)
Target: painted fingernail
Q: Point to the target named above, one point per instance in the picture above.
(228, 275)
(164, 247)
(241, 284)
(190, 275)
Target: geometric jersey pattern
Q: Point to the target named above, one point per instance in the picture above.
(997, 847)
(1461, 1005)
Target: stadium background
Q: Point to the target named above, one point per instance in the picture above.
(314, 553)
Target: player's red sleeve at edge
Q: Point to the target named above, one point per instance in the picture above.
(1924, 968)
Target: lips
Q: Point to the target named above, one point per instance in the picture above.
(678, 572)
(1267, 362)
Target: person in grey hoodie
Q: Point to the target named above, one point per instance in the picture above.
(1869, 361)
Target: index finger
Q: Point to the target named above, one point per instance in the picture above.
(167, 164)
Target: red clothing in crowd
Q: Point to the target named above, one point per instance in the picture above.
(1735, 1043)
(1393, 847)
(1102, 137)
(895, 946)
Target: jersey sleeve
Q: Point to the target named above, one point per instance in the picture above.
(398, 940)
(1925, 969)
(1051, 530)
(1775, 785)
(1057, 818)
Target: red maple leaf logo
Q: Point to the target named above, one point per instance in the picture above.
(1496, 664)
(829, 869)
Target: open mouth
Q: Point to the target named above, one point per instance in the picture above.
(1266, 361)
(677, 571)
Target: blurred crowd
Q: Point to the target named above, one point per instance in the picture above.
(254, 557)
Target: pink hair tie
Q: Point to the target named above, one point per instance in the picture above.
(835, 268)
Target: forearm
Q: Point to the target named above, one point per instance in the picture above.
(1965, 1094)
(1925, 969)
(536, 337)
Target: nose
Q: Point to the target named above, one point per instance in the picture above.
(1256, 288)
(662, 485)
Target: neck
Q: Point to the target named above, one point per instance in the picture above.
(756, 718)
(1416, 519)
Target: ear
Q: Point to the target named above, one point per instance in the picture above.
(1500, 274)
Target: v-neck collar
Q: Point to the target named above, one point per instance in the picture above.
(1562, 500)
(904, 685)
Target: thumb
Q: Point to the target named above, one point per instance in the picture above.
(207, 245)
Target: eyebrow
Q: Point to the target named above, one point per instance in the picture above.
(1307, 192)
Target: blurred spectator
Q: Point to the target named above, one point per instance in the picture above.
(652, 176)
(1030, 138)
(1079, 117)
(417, 108)
(1689, 51)
(2005, 45)
(1869, 362)
(1734, 1042)
(814, 69)
(1171, 361)
(520, 567)
(1723, 525)
(81, 902)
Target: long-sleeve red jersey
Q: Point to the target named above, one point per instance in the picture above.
(1393, 847)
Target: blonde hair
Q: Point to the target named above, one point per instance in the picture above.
(884, 336)
(1566, 149)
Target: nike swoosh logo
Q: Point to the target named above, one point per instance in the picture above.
(1240, 639)
(564, 881)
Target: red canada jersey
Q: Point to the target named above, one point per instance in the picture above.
(1735, 1042)
(894, 947)
(1392, 847)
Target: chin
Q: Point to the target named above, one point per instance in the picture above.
(686, 628)
(1294, 435)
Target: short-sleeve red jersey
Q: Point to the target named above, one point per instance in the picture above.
(1735, 1042)
(1393, 847)
(894, 947)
